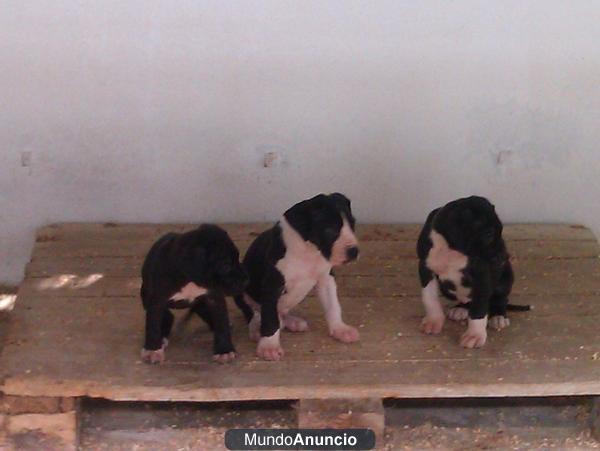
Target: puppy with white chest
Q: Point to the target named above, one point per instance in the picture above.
(195, 270)
(287, 261)
(462, 255)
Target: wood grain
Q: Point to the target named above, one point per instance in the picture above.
(76, 334)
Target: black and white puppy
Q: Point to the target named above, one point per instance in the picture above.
(287, 261)
(196, 270)
(462, 254)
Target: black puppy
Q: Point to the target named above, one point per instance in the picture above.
(196, 270)
(285, 262)
(462, 254)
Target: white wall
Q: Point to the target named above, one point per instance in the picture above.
(146, 110)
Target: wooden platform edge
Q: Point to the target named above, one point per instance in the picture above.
(42, 387)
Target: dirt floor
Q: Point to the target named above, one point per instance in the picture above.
(467, 425)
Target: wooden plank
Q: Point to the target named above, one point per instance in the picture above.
(113, 329)
(401, 334)
(366, 232)
(368, 265)
(15, 405)
(119, 277)
(77, 332)
(522, 249)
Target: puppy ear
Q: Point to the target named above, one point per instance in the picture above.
(300, 218)
(344, 205)
(341, 200)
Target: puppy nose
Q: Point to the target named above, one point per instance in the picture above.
(352, 253)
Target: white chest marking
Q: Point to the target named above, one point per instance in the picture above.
(189, 292)
(301, 267)
(448, 264)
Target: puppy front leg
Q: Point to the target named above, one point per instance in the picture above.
(327, 294)
(223, 350)
(269, 345)
(154, 345)
(434, 314)
(476, 334)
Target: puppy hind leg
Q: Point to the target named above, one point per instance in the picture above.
(294, 323)
(166, 326)
(246, 310)
(202, 308)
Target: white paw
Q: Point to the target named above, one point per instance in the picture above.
(475, 335)
(345, 333)
(269, 348)
(472, 340)
(498, 322)
(295, 323)
(224, 358)
(153, 357)
(156, 356)
(458, 314)
(432, 325)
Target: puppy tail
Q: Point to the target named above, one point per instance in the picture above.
(518, 308)
(245, 308)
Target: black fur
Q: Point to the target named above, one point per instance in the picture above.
(472, 227)
(206, 257)
(318, 220)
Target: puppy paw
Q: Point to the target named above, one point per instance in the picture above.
(345, 333)
(157, 356)
(458, 314)
(269, 352)
(498, 322)
(473, 339)
(269, 348)
(153, 357)
(224, 358)
(295, 323)
(432, 325)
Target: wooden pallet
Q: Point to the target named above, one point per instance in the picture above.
(77, 328)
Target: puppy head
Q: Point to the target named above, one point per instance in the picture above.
(476, 226)
(328, 223)
(213, 261)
